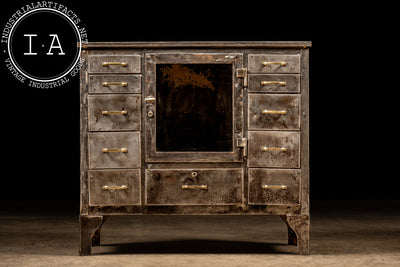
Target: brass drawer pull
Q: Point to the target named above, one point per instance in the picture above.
(203, 187)
(123, 149)
(122, 187)
(267, 186)
(283, 149)
(282, 63)
(106, 64)
(266, 111)
(150, 99)
(273, 82)
(123, 84)
(108, 112)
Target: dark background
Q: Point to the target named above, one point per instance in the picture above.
(353, 108)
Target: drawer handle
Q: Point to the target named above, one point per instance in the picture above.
(108, 112)
(107, 150)
(123, 84)
(203, 187)
(283, 149)
(266, 111)
(273, 82)
(267, 186)
(106, 64)
(122, 187)
(282, 63)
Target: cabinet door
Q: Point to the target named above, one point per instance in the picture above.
(194, 107)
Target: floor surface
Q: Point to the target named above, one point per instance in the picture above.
(362, 233)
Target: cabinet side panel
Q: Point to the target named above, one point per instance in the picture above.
(304, 138)
(84, 197)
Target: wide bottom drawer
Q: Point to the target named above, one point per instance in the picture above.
(114, 187)
(194, 186)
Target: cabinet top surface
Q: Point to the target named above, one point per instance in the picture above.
(199, 44)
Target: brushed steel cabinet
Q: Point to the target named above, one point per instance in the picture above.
(254, 94)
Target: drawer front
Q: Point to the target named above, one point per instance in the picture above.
(269, 186)
(114, 64)
(114, 112)
(275, 112)
(274, 83)
(114, 187)
(274, 149)
(194, 186)
(109, 84)
(273, 63)
(114, 150)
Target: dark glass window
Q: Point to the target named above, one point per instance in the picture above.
(194, 107)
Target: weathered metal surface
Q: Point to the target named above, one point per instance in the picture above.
(100, 84)
(118, 140)
(274, 83)
(259, 104)
(281, 177)
(88, 226)
(298, 232)
(198, 44)
(99, 196)
(289, 158)
(225, 183)
(271, 63)
(130, 104)
(116, 64)
(166, 187)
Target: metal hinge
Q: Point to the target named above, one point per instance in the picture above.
(242, 73)
(242, 142)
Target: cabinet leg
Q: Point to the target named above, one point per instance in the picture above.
(96, 235)
(89, 225)
(298, 232)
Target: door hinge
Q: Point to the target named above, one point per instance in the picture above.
(242, 73)
(242, 142)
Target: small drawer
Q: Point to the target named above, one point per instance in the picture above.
(194, 186)
(114, 64)
(269, 186)
(274, 63)
(274, 112)
(114, 187)
(274, 149)
(114, 150)
(274, 83)
(115, 84)
(114, 112)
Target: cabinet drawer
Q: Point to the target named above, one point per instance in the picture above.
(274, 149)
(275, 112)
(99, 84)
(114, 64)
(274, 83)
(114, 187)
(194, 186)
(114, 112)
(114, 150)
(274, 63)
(268, 186)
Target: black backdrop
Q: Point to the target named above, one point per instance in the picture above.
(353, 109)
